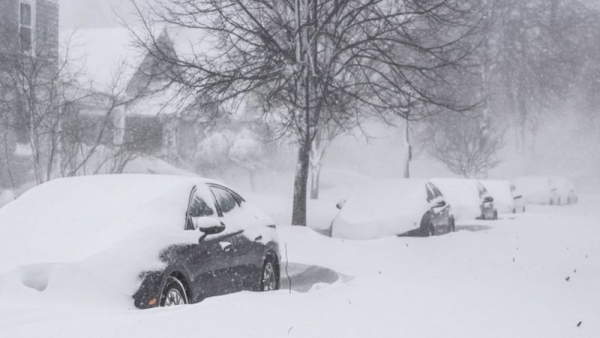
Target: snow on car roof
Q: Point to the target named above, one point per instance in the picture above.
(72, 218)
(385, 197)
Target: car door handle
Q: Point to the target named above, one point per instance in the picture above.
(226, 246)
(258, 238)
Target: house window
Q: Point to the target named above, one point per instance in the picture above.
(26, 27)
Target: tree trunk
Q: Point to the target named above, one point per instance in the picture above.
(300, 185)
(407, 150)
(315, 177)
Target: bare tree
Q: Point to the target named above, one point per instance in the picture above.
(302, 58)
(460, 142)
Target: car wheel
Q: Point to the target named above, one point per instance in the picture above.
(269, 280)
(452, 225)
(173, 293)
(483, 217)
(514, 210)
(495, 215)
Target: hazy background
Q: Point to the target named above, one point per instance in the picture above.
(563, 146)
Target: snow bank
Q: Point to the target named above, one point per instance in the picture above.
(6, 196)
(66, 220)
(471, 283)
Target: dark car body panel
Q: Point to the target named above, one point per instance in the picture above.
(218, 264)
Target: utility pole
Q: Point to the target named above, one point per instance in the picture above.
(407, 147)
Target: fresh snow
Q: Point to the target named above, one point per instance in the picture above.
(490, 279)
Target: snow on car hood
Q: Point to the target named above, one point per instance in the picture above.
(67, 220)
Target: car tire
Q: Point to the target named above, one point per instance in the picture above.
(514, 210)
(269, 278)
(452, 224)
(173, 293)
(495, 215)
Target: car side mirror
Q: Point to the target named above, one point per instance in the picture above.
(518, 197)
(340, 204)
(488, 199)
(208, 225)
(439, 204)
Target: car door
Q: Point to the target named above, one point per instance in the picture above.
(249, 239)
(209, 262)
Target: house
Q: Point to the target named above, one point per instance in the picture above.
(158, 118)
(29, 33)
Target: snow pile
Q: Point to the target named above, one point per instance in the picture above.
(534, 271)
(66, 220)
(462, 195)
(382, 208)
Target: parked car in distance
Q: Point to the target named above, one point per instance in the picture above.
(469, 200)
(507, 199)
(162, 240)
(488, 205)
(547, 190)
(566, 191)
(393, 207)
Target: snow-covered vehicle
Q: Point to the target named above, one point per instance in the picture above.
(547, 190)
(507, 199)
(393, 207)
(469, 199)
(537, 189)
(488, 204)
(565, 189)
(163, 240)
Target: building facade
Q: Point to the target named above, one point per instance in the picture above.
(29, 37)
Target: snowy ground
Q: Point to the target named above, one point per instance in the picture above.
(530, 275)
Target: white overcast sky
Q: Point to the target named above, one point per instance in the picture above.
(77, 14)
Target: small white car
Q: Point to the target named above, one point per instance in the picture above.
(547, 190)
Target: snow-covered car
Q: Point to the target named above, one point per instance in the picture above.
(565, 189)
(393, 207)
(163, 240)
(488, 205)
(546, 190)
(506, 197)
(469, 199)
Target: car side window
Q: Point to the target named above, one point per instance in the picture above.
(436, 192)
(224, 199)
(430, 196)
(199, 206)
